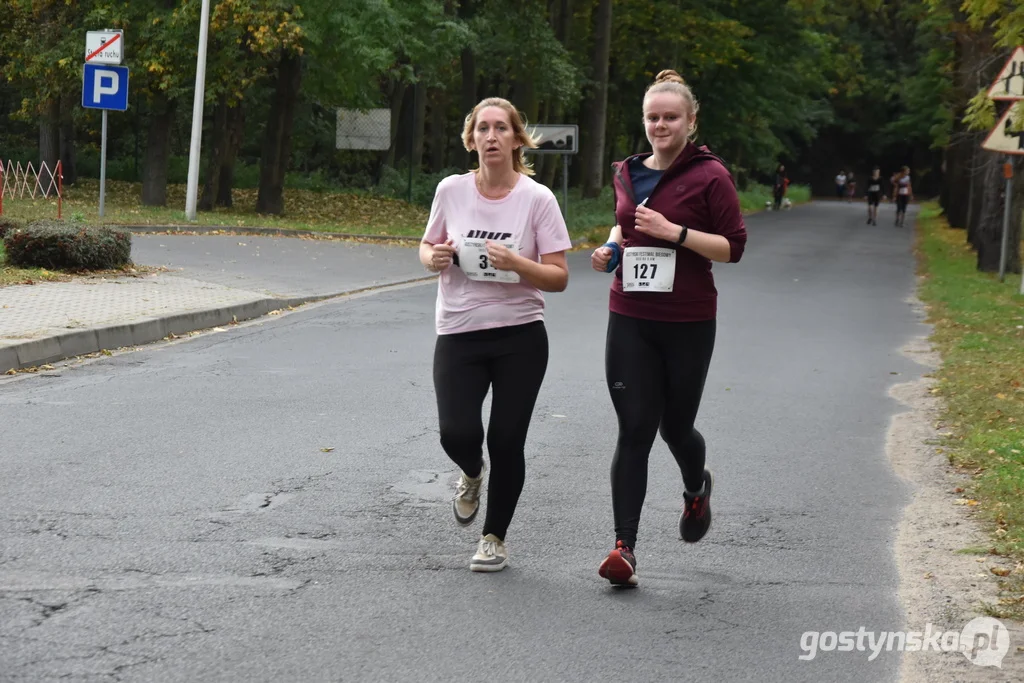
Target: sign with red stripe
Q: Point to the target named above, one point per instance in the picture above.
(104, 47)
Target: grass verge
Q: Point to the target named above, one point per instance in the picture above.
(326, 211)
(979, 331)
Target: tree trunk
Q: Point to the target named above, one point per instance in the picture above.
(1013, 264)
(990, 227)
(438, 129)
(468, 100)
(228, 122)
(49, 140)
(216, 149)
(975, 189)
(561, 18)
(68, 157)
(154, 170)
(419, 122)
(956, 178)
(236, 131)
(597, 104)
(397, 95)
(278, 140)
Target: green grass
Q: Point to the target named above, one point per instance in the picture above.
(325, 211)
(979, 331)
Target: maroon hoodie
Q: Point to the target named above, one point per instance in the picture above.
(696, 191)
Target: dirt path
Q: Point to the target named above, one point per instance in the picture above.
(939, 585)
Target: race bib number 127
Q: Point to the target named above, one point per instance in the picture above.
(477, 265)
(648, 269)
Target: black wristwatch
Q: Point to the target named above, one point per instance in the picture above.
(682, 236)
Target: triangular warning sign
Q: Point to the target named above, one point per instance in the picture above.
(1009, 84)
(1002, 139)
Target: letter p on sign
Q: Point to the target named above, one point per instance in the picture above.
(105, 83)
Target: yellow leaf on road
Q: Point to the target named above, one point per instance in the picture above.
(327, 449)
(1000, 571)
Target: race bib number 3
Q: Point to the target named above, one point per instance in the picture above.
(477, 265)
(648, 269)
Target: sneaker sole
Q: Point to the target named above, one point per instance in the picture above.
(464, 521)
(711, 488)
(475, 567)
(618, 571)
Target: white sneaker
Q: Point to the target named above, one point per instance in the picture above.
(466, 503)
(491, 555)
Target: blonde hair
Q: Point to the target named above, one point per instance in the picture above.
(525, 140)
(670, 81)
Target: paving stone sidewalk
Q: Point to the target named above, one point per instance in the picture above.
(210, 281)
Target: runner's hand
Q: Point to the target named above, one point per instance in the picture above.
(650, 222)
(442, 256)
(501, 257)
(600, 258)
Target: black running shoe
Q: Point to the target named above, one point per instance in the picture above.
(620, 566)
(696, 518)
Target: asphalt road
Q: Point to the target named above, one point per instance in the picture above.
(170, 514)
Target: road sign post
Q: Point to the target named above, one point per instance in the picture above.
(558, 139)
(1007, 201)
(104, 87)
(1005, 139)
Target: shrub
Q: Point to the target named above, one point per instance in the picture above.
(61, 245)
(7, 225)
(394, 182)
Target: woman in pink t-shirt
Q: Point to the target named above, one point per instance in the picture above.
(498, 240)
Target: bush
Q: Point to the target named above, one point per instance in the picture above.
(61, 245)
(394, 182)
(7, 225)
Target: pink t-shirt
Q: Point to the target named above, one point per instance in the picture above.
(528, 215)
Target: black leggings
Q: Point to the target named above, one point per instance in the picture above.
(655, 373)
(511, 361)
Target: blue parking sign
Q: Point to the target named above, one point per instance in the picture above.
(105, 87)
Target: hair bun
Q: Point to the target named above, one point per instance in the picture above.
(669, 76)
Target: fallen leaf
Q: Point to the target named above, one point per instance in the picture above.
(958, 489)
(1000, 571)
(327, 449)
(277, 312)
(928, 575)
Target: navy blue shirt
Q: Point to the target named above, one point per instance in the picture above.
(644, 179)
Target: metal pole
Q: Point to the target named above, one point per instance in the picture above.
(1006, 226)
(412, 134)
(970, 191)
(103, 161)
(565, 187)
(192, 191)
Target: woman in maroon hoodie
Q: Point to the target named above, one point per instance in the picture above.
(676, 211)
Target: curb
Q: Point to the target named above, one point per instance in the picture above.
(267, 232)
(148, 330)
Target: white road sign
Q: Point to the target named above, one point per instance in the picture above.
(1004, 140)
(1009, 84)
(104, 47)
(555, 139)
